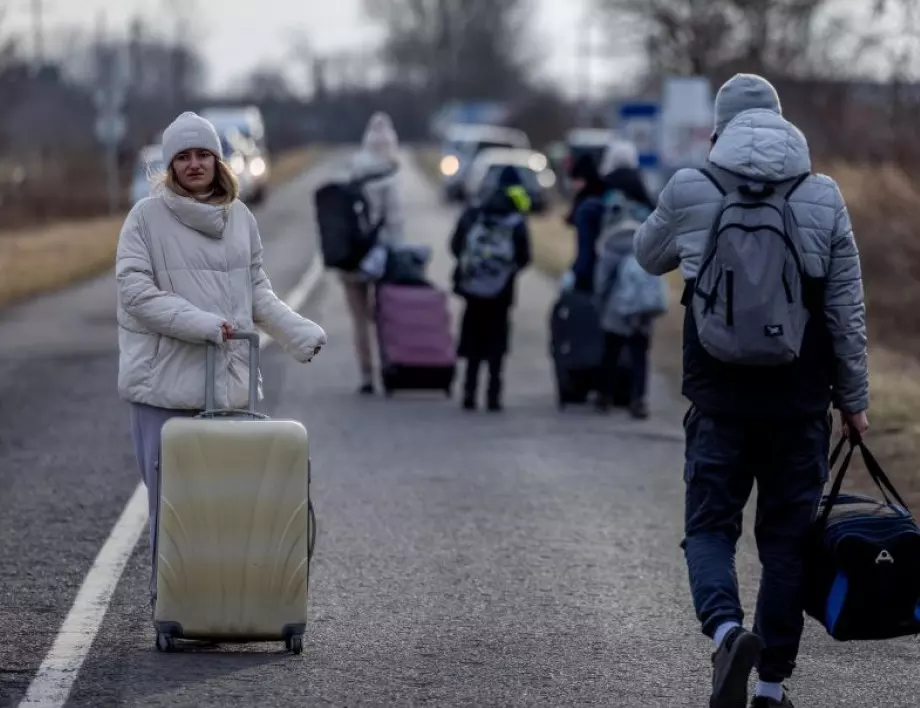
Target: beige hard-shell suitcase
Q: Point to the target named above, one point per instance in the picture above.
(236, 527)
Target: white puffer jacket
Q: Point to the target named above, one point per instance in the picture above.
(183, 268)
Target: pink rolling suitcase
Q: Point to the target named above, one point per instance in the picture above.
(414, 334)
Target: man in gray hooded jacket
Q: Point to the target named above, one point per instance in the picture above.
(769, 424)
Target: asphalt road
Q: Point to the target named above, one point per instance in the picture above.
(527, 558)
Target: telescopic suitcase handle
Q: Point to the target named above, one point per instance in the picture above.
(210, 374)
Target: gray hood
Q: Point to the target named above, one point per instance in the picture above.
(762, 145)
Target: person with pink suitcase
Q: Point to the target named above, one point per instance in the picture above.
(492, 245)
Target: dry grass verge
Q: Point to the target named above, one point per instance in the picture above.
(46, 258)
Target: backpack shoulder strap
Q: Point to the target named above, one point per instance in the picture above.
(711, 177)
(795, 184)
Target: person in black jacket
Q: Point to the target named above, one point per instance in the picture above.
(485, 329)
(620, 170)
(587, 182)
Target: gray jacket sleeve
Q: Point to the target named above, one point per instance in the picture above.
(845, 309)
(656, 240)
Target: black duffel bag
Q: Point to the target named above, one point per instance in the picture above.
(864, 559)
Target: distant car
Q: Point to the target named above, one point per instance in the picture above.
(583, 141)
(249, 124)
(533, 167)
(256, 165)
(233, 147)
(461, 146)
(247, 120)
(149, 162)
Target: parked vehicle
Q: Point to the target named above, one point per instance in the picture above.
(461, 146)
(533, 167)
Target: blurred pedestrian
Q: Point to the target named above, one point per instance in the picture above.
(586, 182)
(189, 271)
(750, 421)
(492, 245)
(620, 173)
(377, 158)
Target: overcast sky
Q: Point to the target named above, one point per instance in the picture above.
(236, 35)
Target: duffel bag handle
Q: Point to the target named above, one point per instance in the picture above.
(872, 466)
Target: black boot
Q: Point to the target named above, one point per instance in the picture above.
(470, 385)
(495, 386)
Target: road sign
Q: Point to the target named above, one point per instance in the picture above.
(639, 122)
(686, 121)
(110, 128)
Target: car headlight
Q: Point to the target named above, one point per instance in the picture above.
(238, 164)
(547, 179)
(450, 165)
(537, 162)
(257, 167)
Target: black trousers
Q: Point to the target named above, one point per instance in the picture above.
(471, 384)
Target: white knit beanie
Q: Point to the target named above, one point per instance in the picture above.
(620, 153)
(189, 131)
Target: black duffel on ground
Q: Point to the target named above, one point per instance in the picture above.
(864, 559)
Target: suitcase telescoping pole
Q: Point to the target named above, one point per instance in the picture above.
(210, 374)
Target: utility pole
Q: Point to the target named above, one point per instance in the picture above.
(38, 34)
(585, 50)
(110, 96)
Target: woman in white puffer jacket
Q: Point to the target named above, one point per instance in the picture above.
(189, 272)
(379, 155)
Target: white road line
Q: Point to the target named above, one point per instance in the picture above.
(57, 673)
(52, 683)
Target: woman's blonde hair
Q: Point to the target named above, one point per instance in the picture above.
(226, 186)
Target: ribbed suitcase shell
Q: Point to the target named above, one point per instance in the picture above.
(234, 529)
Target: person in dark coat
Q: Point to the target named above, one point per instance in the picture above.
(485, 329)
(620, 168)
(587, 182)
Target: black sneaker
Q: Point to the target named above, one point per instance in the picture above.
(469, 403)
(639, 410)
(764, 702)
(367, 389)
(495, 406)
(732, 664)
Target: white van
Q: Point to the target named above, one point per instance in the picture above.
(462, 143)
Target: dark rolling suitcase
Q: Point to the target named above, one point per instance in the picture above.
(576, 347)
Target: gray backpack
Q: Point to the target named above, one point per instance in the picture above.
(487, 263)
(748, 298)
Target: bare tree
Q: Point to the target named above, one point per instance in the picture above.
(455, 48)
(712, 36)
(267, 83)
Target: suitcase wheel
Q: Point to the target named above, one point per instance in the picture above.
(165, 642)
(294, 644)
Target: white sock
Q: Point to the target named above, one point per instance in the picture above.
(769, 690)
(722, 631)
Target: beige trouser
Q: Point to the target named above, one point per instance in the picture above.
(359, 297)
